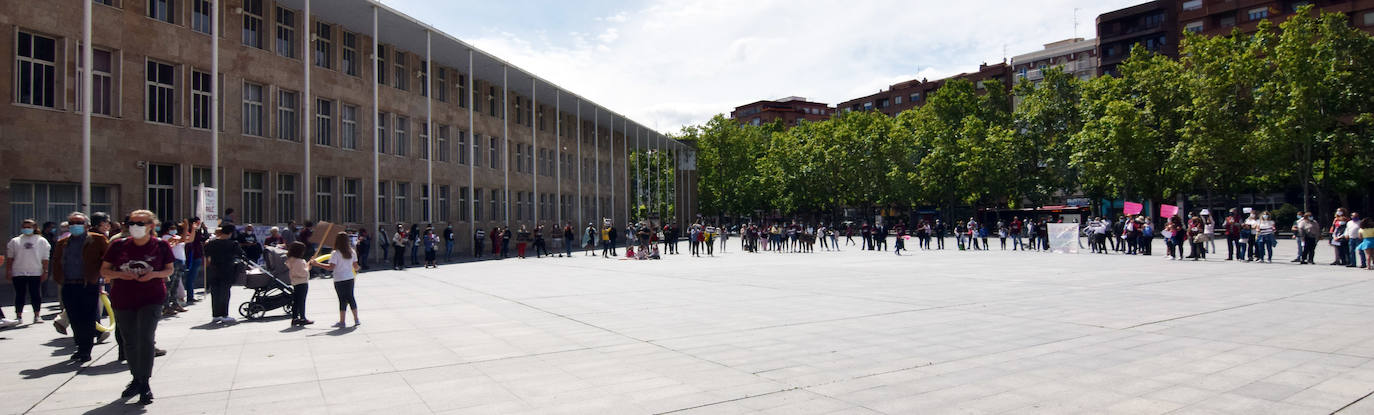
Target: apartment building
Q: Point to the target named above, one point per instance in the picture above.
(1221, 17)
(914, 93)
(1077, 57)
(1152, 24)
(790, 110)
(349, 112)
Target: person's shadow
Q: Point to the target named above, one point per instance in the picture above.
(118, 406)
(62, 346)
(65, 366)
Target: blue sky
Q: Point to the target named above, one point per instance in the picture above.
(669, 63)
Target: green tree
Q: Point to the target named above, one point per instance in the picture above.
(1047, 116)
(1318, 102)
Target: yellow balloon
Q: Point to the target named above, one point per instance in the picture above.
(323, 258)
(109, 311)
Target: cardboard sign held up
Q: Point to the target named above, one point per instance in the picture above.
(323, 234)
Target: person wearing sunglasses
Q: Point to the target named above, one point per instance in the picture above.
(137, 267)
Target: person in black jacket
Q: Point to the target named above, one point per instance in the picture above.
(220, 254)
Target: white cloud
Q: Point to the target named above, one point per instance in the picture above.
(677, 62)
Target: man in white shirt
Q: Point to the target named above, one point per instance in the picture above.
(1352, 241)
(28, 268)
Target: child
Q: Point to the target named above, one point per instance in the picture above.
(345, 268)
(300, 282)
(900, 244)
(431, 242)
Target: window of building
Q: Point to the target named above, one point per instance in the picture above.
(540, 117)
(868, 106)
(441, 150)
(495, 204)
(423, 73)
(462, 147)
(51, 202)
(36, 63)
(252, 23)
(286, 116)
(1298, 5)
(253, 187)
(519, 158)
(402, 189)
(1227, 21)
(348, 126)
(200, 16)
(1258, 13)
(324, 122)
(381, 132)
(286, 32)
(382, 201)
(441, 85)
(897, 100)
(161, 190)
(519, 205)
(102, 82)
(519, 115)
(422, 137)
(349, 58)
(424, 204)
(494, 161)
(402, 80)
(1192, 5)
(381, 64)
(402, 143)
(200, 99)
(462, 91)
(477, 204)
(476, 150)
(324, 198)
(161, 98)
(164, 10)
(491, 100)
(463, 203)
(1369, 19)
(1195, 27)
(286, 197)
(443, 203)
(324, 45)
(351, 189)
(111, 3)
(252, 109)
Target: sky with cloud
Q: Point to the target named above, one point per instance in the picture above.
(670, 63)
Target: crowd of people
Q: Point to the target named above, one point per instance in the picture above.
(149, 269)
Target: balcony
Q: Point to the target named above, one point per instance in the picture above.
(1081, 65)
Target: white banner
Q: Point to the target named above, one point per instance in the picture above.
(207, 207)
(1063, 237)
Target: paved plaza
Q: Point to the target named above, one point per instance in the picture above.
(848, 333)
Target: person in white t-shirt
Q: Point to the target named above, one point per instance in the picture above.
(28, 268)
(345, 266)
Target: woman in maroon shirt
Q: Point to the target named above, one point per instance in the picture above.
(137, 268)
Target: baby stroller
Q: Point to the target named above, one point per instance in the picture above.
(270, 292)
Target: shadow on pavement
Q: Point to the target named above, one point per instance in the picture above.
(64, 366)
(119, 406)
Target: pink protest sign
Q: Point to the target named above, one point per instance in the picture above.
(1132, 208)
(1168, 211)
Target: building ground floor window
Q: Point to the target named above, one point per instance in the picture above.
(51, 202)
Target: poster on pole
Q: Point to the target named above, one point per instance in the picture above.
(207, 207)
(1132, 208)
(1063, 237)
(1168, 211)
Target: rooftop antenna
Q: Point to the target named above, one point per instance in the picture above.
(1075, 23)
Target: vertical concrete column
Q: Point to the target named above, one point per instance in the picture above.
(596, 161)
(472, 141)
(376, 124)
(505, 146)
(429, 128)
(214, 92)
(306, 115)
(534, 139)
(558, 148)
(86, 83)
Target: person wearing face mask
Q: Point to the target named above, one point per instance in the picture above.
(28, 268)
(1264, 229)
(195, 239)
(220, 254)
(77, 271)
(137, 267)
(1307, 231)
(176, 293)
(1338, 236)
